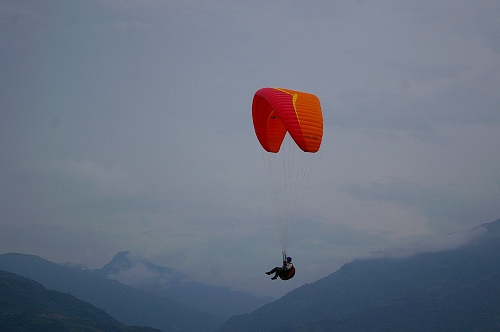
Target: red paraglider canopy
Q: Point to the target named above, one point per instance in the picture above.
(277, 111)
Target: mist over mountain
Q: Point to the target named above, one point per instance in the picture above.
(137, 292)
(26, 305)
(456, 289)
(126, 304)
(140, 273)
(451, 290)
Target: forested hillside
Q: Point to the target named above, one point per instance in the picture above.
(453, 290)
(26, 305)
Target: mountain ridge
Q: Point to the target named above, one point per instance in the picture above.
(25, 305)
(142, 274)
(348, 299)
(128, 305)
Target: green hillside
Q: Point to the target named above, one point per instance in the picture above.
(26, 305)
(452, 290)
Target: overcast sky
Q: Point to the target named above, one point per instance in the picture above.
(126, 125)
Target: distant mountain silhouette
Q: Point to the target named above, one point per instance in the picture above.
(142, 274)
(452, 290)
(128, 305)
(26, 305)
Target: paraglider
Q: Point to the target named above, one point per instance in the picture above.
(285, 272)
(284, 115)
(278, 111)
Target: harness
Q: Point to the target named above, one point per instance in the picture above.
(287, 274)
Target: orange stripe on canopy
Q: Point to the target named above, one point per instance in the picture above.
(277, 111)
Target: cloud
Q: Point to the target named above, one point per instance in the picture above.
(141, 273)
(130, 122)
(394, 189)
(431, 243)
(437, 203)
(138, 274)
(124, 27)
(114, 181)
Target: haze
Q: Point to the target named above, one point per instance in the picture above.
(126, 125)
